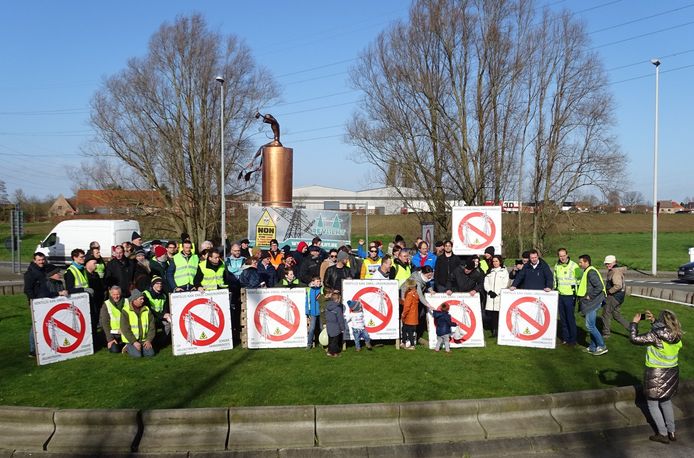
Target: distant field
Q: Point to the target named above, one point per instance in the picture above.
(626, 236)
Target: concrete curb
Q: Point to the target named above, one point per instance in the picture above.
(442, 428)
(666, 294)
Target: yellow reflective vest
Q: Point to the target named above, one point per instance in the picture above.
(156, 304)
(583, 284)
(664, 358)
(402, 273)
(80, 277)
(185, 269)
(566, 278)
(212, 279)
(369, 266)
(114, 315)
(137, 322)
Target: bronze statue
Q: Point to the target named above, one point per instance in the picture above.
(275, 126)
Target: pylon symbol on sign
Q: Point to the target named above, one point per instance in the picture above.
(191, 330)
(466, 314)
(540, 312)
(382, 301)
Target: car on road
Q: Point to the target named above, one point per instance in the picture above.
(686, 272)
(147, 246)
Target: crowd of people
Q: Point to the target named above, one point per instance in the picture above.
(129, 294)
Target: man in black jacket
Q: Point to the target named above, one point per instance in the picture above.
(445, 265)
(536, 274)
(310, 267)
(119, 271)
(35, 276)
(465, 279)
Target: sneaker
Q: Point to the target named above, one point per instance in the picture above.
(588, 350)
(31, 354)
(357, 349)
(672, 437)
(659, 438)
(600, 351)
(407, 344)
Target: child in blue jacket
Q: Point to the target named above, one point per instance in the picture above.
(444, 323)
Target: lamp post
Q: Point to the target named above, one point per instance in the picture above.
(223, 232)
(654, 259)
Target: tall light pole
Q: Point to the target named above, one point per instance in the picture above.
(654, 260)
(223, 232)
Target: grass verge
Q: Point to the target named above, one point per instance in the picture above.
(295, 376)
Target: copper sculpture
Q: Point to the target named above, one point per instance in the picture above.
(276, 163)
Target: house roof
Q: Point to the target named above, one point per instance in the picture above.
(669, 204)
(96, 198)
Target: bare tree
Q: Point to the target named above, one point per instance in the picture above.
(632, 199)
(468, 93)
(157, 121)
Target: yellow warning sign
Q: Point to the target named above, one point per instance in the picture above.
(66, 343)
(203, 336)
(265, 230)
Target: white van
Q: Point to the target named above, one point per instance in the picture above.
(78, 233)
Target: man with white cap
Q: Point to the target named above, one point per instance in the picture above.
(616, 290)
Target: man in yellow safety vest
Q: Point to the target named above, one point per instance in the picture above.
(137, 326)
(182, 269)
(591, 291)
(566, 277)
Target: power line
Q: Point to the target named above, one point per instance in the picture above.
(651, 74)
(643, 18)
(635, 37)
(641, 62)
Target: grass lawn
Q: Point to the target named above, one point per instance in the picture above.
(295, 376)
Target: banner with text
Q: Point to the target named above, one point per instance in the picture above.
(466, 313)
(476, 228)
(200, 322)
(292, 225)
(528, 318)
(276, 318)
(62, 328)
(380, 300)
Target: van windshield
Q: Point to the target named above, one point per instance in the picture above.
(50, 240)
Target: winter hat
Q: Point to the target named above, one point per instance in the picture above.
(398, 238)
(342, 256)
(610, 259)
(140, 251)
(314, 248)
(470, 264)
(159, 251)
(135, 294)
(489, 250)
(246, 241)
(135, 236)
(52, 269)
(286, 249)
(88, 258)
(354, 306)
(301, 246)
(156, 279)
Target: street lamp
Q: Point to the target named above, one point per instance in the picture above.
(654, 259)
(223, 232)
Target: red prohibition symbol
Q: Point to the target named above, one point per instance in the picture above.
(486, 238)
(77, 334)
(385, 319)
(292, 327)
(215, 330)
(539, 328)
(468, 330)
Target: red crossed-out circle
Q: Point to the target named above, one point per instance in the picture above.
(291, 326)
(486, 238)
(541, 329)
(78, 334)
(385, 319)
(215, 330)
(473, 321)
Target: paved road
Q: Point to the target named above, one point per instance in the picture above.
(666, 284)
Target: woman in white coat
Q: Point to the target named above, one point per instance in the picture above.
(496, 280)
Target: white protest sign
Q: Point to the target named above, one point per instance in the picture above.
(466, 313)
(62, 328)
(476, 228)
(428, 235)
(380, 300)
(276, 317)
(200, 322)
(528, 318)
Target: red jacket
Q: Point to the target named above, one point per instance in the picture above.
(410, 311)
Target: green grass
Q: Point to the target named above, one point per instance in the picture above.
(284, 377)
(632, 249)
(33, 235)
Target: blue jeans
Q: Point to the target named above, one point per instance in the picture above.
(313, 324)
(358, 334)
(135, 353)
(595, 335)
(568, 319)
(32, 343)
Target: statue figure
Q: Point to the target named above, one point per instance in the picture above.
(275, 126)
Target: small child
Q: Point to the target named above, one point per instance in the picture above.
(410, 314)
(356, 321)
(313, 310)
(335, 324)
(444, 323)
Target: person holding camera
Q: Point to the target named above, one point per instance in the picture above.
(661, 378)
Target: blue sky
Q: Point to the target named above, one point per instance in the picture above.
(55, 55)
